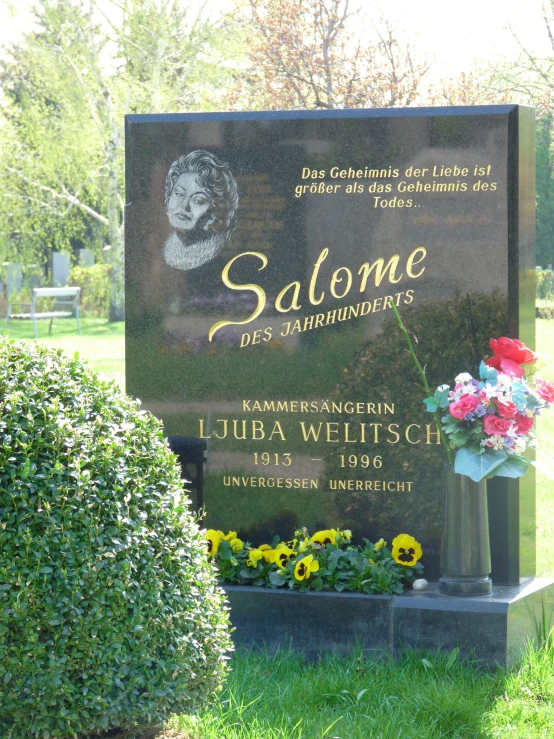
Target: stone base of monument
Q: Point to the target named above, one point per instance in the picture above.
(493, 628)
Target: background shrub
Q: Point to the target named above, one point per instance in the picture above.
(545, 284)
(94, 300)
(110, 615)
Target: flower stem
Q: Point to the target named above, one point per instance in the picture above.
(424, 379)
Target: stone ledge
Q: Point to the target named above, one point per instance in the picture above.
(494, 628)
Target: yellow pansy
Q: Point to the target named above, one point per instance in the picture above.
(406, 550)
(267, 552)
(254, 557)
(346, 534)
(327, 536)
(304, 546)
(304, 568)
(214, 539)
(379, 545)
(231, 535)
(236, 545)
(281, 555)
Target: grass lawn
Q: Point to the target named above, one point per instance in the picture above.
(101, 344)
(425, 697)
(432, 697)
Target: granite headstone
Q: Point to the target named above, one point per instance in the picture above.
(263, 254)
(61, 266)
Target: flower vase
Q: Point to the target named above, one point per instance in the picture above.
(465, 554)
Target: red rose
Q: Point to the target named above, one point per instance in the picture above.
(512, 349)
(507, 410)
(497, 426)
(545, 390)
(466, 404)
(524, 424)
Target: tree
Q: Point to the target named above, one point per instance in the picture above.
(530, 78)
(321, 54)
(69, 85)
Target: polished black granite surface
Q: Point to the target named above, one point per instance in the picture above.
(263, 252)
(494, 629)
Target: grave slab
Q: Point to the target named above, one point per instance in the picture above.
(495, 629)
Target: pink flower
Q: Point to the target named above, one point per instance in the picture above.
(545, 390)
(495, 425)
(503, 364)
(524, 424)
(507, 410)
(466, 404)
(509, 355)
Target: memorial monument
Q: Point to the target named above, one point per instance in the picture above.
(263, 254)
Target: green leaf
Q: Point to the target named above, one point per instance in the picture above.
(317, 583)
(430, 404)
(514, 466)
(441, 397)
(276, 578)
(478, 466)
(452, 657)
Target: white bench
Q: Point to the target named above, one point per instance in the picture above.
(65, 297)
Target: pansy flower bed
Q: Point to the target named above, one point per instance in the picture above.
(326, 560)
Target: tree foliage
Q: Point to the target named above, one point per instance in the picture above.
(321, 54)
(530, 79)
(69, 84)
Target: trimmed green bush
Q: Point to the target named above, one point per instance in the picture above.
(110, 614)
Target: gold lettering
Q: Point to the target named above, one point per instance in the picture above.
(235, 430)
(277, 431)
(334, 430)
(407, 434)
(436, 432)
(412, 260)
(294, 304)
(224, 422)
(258, 430)
(201, 433)
(346, 439)
(376, 427)
(365, 270)
(311, 292)
(310, 431)
(392, 429)
(256, 289)
(335, 280)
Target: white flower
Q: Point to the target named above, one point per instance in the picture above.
(464, 377)
(442, 387)
(497, 442)
(519, 446)
(490, 391)
(505, 380)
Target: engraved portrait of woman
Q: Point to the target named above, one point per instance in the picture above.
(201, 200)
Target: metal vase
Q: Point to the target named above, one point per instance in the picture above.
(466, 551)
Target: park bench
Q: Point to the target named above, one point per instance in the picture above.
(66, 299)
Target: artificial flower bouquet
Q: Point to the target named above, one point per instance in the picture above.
(490, 421)
(324, 561)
